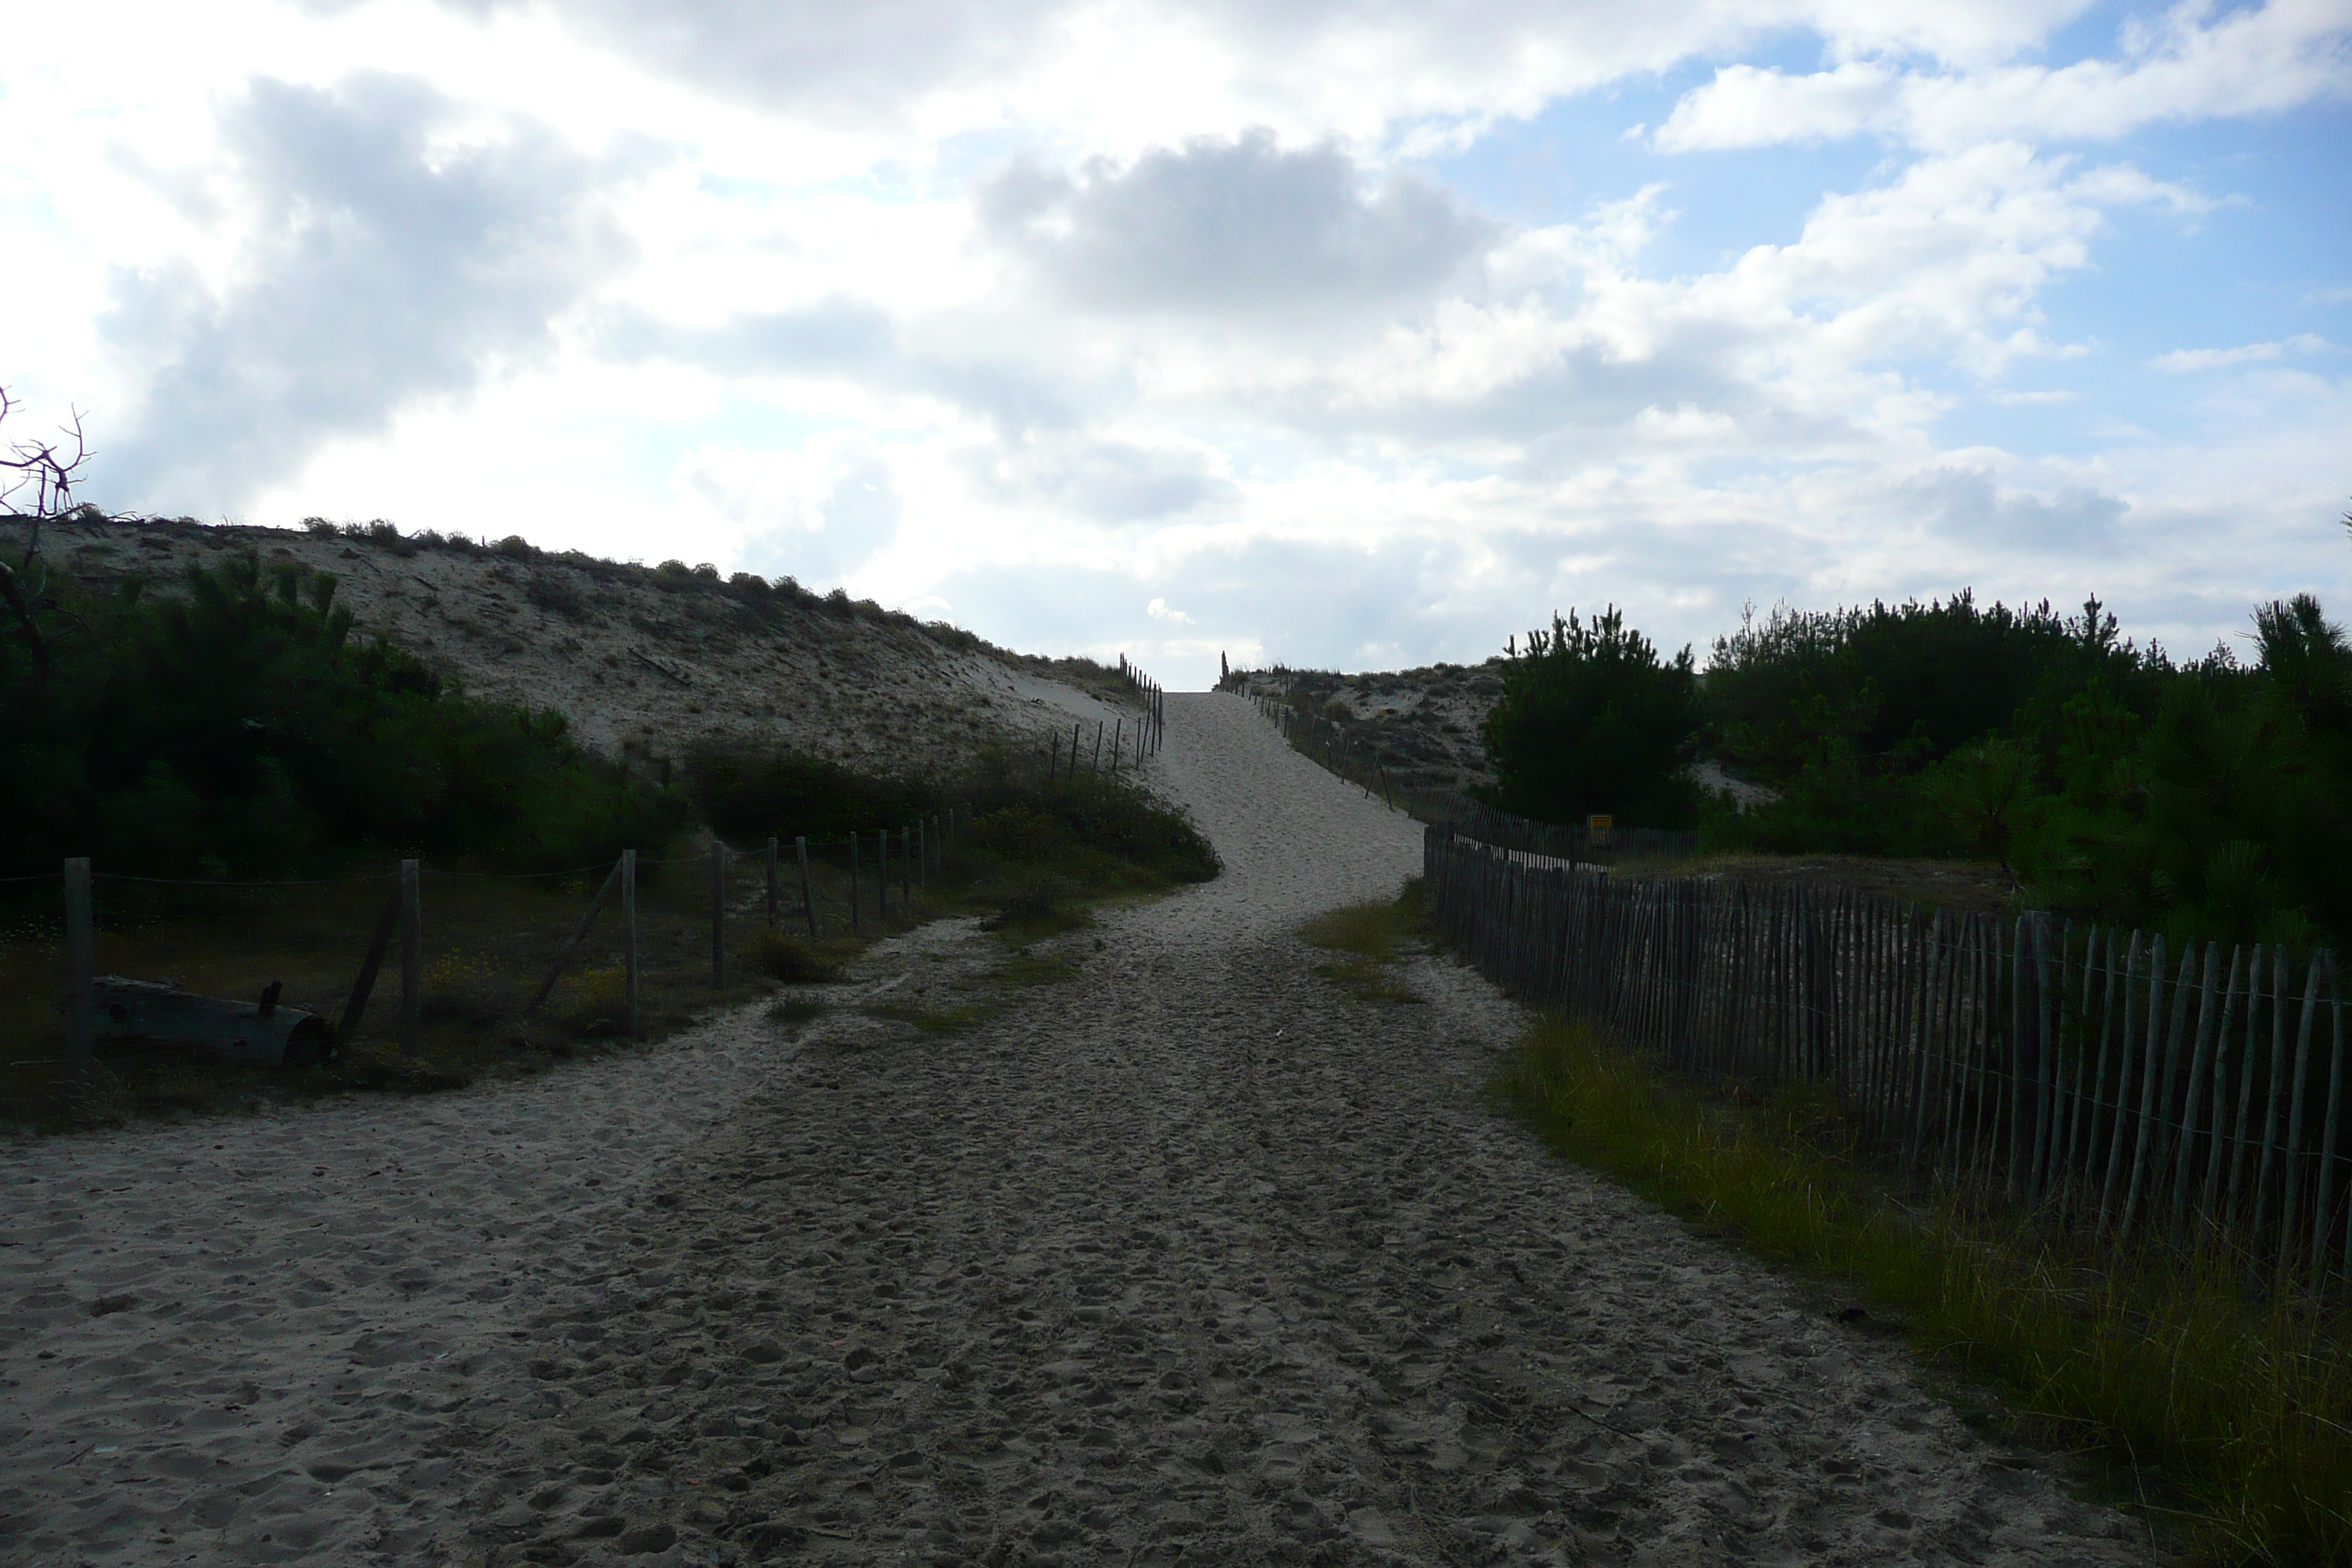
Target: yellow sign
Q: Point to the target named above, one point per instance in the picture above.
(1598, 828)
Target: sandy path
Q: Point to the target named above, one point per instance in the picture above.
(1189, 1257)
(1193, 1259)
(279, 1337)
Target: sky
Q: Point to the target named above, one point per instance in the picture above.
(1343, 333)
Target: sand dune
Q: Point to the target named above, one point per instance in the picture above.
(639, 661)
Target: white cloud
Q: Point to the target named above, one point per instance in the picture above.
(1748, 106)
(384, 262)
(2195, 65)
(1117, 78)
(1102, 478)
(817, 513)
(1242, 228)
(2184, 360)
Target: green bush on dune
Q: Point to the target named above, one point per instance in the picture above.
(238, 727)
(1591, 719)
(1096, 829)
(2211, 799)
(747, 791)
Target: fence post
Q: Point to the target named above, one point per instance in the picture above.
(906, 867)
(81, 970)
(923, 852)
(854, 836)
(881, 875)
(411, 958)
(772, 901)
(629, 938)
(808, 899)
(717, 916)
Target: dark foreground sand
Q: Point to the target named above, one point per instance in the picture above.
(1188, 1257)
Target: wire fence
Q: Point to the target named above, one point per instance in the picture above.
(289, 972)
(2117, 1082)
(1155, 704)
(1129, 744)
(1329, 746)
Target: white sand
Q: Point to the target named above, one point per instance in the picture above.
(1295, 839)
(1190, 1257)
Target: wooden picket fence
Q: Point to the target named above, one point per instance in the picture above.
(2105, 1077)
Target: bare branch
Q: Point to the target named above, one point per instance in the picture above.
(50, 470)
(45, 464)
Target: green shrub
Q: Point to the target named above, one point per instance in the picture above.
(1096, 829)
(747, 792)
(2205, 799)
(238, 727)
(1591, 719)
(1076, 824)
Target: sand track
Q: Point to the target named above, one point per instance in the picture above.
(1188, 1257)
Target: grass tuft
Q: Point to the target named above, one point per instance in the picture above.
(794, 1011)
(791, 959)
(2239, 1411)
(1036, 911)
(1372, 939)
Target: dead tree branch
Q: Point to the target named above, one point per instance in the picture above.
(50, 470)
(45, 466)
